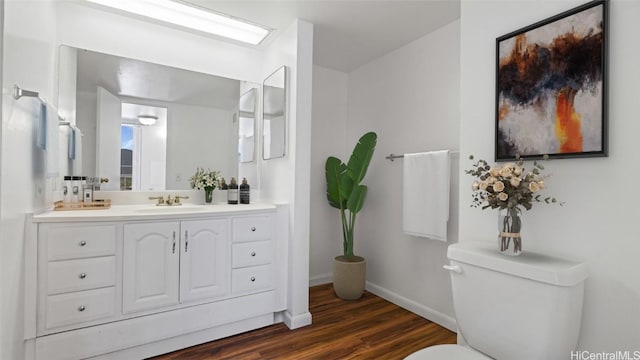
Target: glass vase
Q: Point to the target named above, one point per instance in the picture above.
(509, 227)
(208, 196)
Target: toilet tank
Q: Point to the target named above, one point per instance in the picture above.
(527, 307)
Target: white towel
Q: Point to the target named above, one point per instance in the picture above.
(425, 190)
(51, 162)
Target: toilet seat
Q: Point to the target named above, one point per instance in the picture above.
(446, 352)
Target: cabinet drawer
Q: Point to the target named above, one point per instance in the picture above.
(80, 241)
(251, 279)
(82, 274)
(78, 307)
(251, 228)
(251, 253)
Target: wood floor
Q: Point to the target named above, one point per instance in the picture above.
(369, 328)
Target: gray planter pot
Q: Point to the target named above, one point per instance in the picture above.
(349, 277)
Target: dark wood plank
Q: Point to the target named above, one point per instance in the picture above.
(369, 328)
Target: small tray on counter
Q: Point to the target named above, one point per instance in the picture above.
(92, 205)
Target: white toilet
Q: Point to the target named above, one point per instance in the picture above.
(527, 307)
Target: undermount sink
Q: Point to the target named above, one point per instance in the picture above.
(173, 208)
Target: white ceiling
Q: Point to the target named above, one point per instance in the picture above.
(347, 33)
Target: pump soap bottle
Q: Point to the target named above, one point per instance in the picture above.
(232, 193)
(244, 192)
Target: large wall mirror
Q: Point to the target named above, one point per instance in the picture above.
(274, 114)
(147, 127)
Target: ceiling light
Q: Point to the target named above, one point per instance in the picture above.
(189, 16)
(147, 120)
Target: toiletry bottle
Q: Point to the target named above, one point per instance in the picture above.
(244, 192)
(224, 188)
(66, 189)
(232, 193)
(75, 189)
(81, 186)
(87, 191)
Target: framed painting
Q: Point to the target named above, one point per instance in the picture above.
(551, 87)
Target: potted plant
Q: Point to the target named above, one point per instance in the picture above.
(345, 192)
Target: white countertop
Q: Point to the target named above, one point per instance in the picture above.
(149, 212)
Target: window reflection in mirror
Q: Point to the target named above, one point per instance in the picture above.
(143, 148)
(274, 115)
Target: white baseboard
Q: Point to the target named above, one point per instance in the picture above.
(320, 279)
(417, 308)
(297, 321)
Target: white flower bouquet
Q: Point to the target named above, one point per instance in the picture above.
(205, 180)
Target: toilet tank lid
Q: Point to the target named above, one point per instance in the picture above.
(529, 265)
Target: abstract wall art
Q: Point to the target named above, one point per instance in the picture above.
(551, 94)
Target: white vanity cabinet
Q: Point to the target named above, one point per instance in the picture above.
(150, 266)
(78, 271)
(132, 286)
(252, 254)
(204, 260)
(166, 263)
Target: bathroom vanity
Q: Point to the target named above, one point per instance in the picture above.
(137, 280)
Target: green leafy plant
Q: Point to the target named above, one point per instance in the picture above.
(344, 188)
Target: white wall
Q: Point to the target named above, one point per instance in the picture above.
(287, 179)
(410, 97)
(29, 58)
(598, 223)
(199, 137)
(2, 330)
(329, 131)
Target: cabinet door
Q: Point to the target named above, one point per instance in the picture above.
(151, 260)
(204, 254)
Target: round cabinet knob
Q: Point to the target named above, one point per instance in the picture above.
(83, 243)
(81, 308)
(253, 253)
(253, 279)
(82, 275)
(253, 228)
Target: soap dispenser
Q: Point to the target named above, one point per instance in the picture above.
(244, 192)
(224, 188)
(232, 193)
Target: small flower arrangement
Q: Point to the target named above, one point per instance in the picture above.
(205, 180)
(507, 187)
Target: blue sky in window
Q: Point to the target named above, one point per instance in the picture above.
(127, 137)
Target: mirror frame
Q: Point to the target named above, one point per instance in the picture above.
(285, 111)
